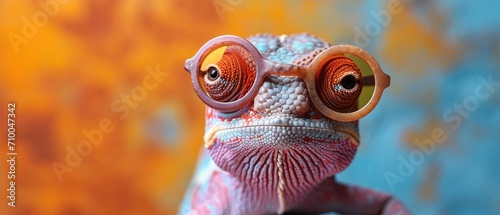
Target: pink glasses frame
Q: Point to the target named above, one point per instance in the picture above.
(265, 67)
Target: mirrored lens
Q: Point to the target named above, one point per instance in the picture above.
(227, 73)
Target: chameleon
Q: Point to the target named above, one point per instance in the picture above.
(278, 153)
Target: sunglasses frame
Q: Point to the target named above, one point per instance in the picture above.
(265, 67)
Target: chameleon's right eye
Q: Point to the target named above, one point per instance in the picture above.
(227, 73)
(213, 73)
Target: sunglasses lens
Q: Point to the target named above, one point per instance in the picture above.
(226, 73)
(345, 83)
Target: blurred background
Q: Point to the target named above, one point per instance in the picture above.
(114, 70)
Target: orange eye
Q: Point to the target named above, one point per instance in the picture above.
(228, 73)
(339, 82)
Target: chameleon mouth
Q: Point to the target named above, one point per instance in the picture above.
(319, 129)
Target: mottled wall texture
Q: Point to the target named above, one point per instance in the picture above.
(107, 121)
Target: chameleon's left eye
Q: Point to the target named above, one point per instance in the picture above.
(339, 83)
(348, 82)
(227, 73)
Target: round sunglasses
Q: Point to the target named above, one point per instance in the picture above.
(344, 82)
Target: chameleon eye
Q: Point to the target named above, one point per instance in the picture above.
(213, 73)
(227, 73)
(348, 82)
(339, 83)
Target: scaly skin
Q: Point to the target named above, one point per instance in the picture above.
(279, 154)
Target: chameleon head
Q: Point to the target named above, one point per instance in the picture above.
(281, 134)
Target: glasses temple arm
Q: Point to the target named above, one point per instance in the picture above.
(369, 80)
